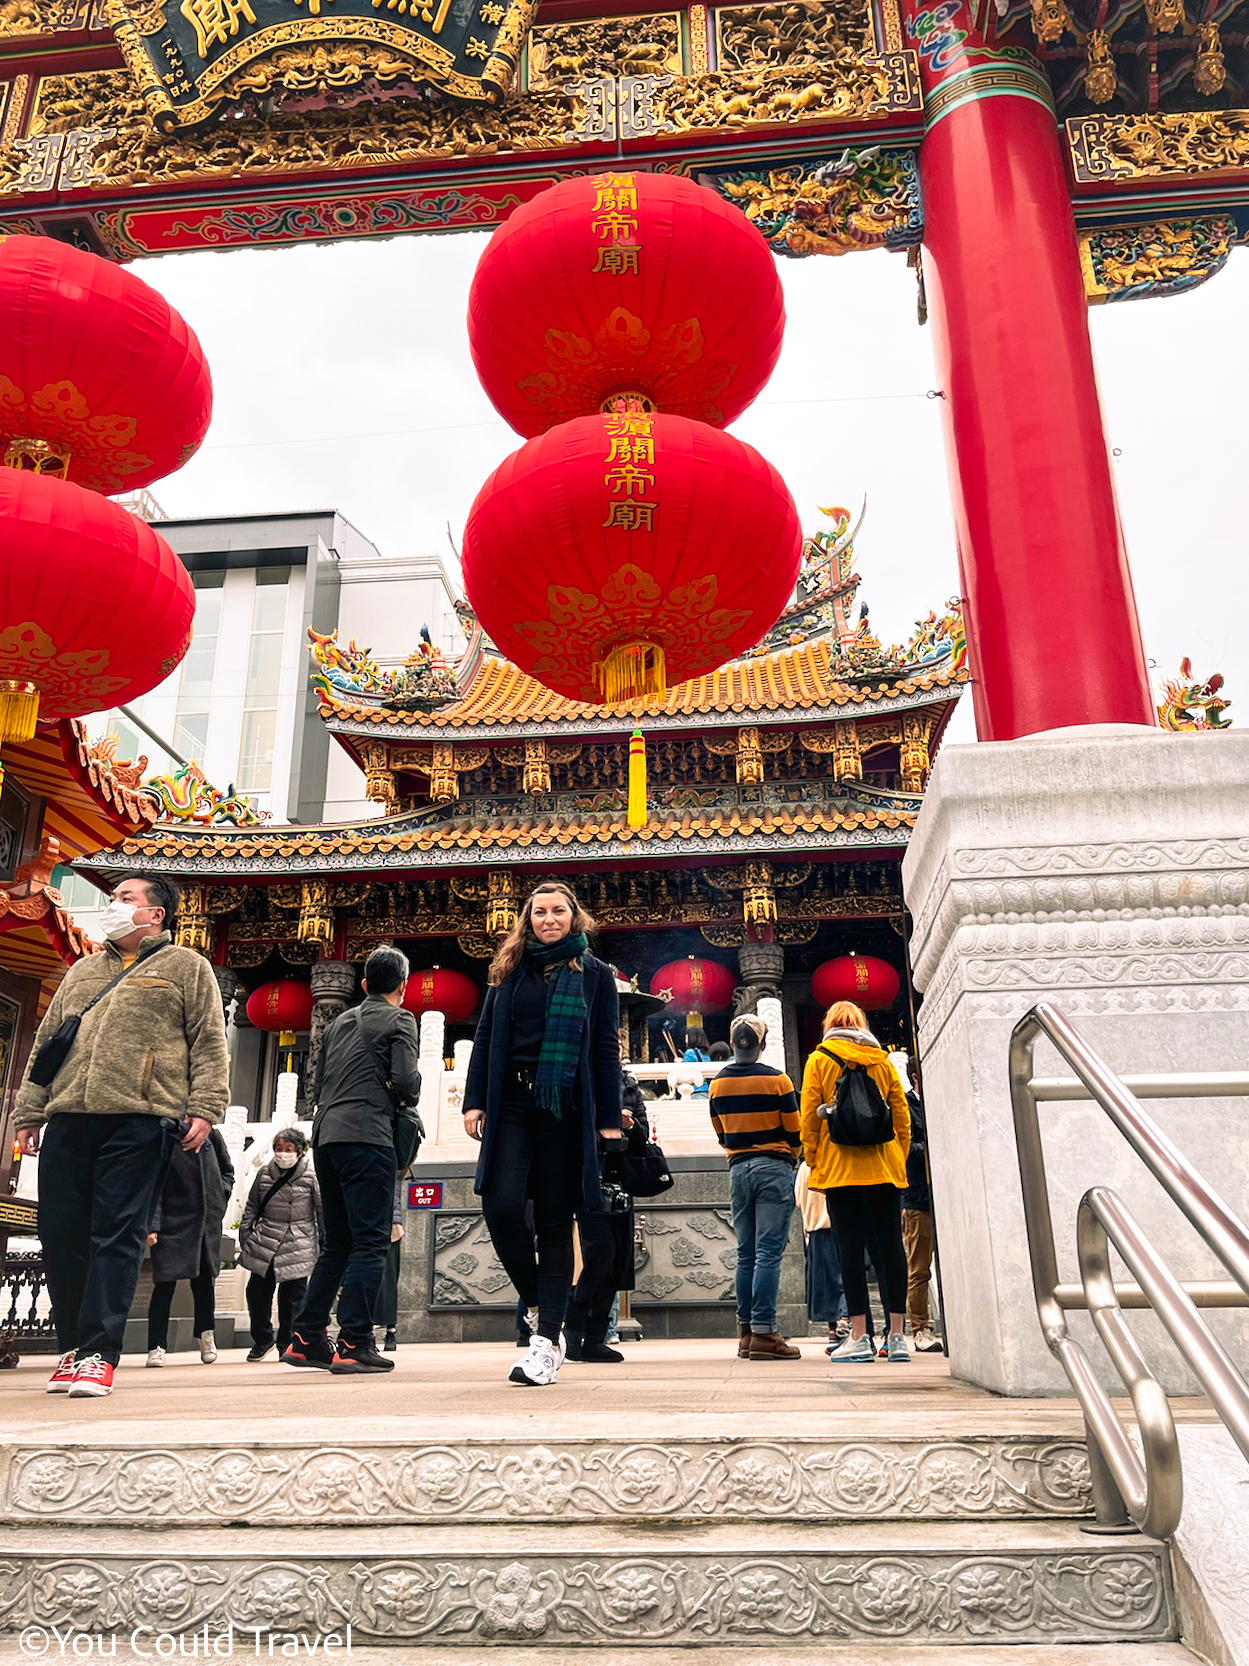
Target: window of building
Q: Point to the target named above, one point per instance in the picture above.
(195, 686)
(264, 676)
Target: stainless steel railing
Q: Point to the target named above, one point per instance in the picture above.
(1151, 1492)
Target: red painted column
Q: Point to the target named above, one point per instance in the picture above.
(1052, 629)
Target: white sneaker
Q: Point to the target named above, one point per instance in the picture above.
(208, 1348)
(155, 1357)
(926, 1342)
(531, 1320)
(541, 1364)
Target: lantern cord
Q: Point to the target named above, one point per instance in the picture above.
(19, 710)
(631, 671)
(637, 780)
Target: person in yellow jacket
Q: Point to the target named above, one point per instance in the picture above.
(863, 1183)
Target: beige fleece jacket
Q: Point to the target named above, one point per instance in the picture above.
(155, 1047)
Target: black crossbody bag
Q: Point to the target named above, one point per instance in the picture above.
(55, 1050)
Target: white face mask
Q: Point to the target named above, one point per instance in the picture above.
(117, 919)
(286, 1159)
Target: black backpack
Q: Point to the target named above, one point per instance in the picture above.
(859, 1114)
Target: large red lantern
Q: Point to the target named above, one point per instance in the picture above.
(694, 986)
(451, 993)
(861, 978)
(100, 379)
(618, 554)
(640, 284)
(95, 608)
(284, 1005)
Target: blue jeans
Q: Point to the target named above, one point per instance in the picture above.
(761, 1191)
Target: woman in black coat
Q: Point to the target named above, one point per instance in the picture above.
(543, 1087)
(186, 1242)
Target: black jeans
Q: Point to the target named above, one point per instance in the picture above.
(864, 1215)
(260, 1288)
(357, 1202)
(536, 1155)
(202, 1294)
(387, 1310)
(99, 1178)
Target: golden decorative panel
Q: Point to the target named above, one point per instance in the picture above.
(649, 44)
(791, 36)
(1140, 147)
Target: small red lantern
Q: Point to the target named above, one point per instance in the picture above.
(618, 554)
(697, 986)
(451, 993)
(284, 1005)
(629, 283)
(101, 381)
(861, 978)
(95, 608)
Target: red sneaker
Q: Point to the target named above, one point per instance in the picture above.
(93, 1377)
(314, 1351)
(59, 1381)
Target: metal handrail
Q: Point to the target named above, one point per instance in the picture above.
(1152, 1493)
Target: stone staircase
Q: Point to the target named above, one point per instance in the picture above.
(540, 1547)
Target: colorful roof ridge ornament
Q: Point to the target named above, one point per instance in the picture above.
(425, 680)
(1188, 703)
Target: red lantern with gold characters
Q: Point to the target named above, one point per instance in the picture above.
(95, 608)
(449, 992)
(861, 978)
(634, 284)
(101, 381)
(618, 554)
(284, 1005)
(694, 986)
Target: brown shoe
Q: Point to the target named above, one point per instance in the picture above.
(743, 1341)
(772, 1347)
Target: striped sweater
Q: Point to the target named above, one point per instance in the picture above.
(754, 1111)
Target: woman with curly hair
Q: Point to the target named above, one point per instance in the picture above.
(543, 1088)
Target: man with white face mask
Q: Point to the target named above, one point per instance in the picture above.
(147, 1067)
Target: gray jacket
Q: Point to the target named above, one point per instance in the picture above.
(286, 1236)
(368, 1065)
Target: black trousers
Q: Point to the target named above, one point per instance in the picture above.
(99, 1178)
(606, 1240)
(536, 1156)
(387, 1310)
(203, 1296)
(290, 1292)
(863, 1216)
(357, 1202)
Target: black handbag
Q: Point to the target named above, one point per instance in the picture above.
(859, 1114)
(55, 1050)
(646, 1174)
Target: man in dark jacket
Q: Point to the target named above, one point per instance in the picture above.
(368, 1067)
(917, 1225)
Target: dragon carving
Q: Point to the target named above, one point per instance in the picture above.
(187, 795)
(1188, 703)
(424, 679)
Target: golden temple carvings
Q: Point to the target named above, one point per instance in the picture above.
(808, 33)
(1134, 147)
(605, 46)
(850, 84)
(1050, 20)
(1101, 78)
(1164, 257)
(1210, 71)
(103, 116)
(1165, 16)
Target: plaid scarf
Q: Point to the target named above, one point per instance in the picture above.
(560, 965)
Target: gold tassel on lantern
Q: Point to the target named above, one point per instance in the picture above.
(19, 710)
(287, 1038)
(637, 780)
(633, 671)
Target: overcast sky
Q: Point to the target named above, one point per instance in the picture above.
(343, 381)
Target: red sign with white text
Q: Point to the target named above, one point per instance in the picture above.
(425, 1194)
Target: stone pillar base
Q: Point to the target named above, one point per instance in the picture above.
(1107, 873)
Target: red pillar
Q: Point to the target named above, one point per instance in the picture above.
(1052, 629)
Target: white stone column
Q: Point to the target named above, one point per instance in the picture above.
(1105, 871)
(769, 1009)
(432, 1037)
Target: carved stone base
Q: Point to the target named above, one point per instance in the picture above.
(1108, 873)
(580, 1588)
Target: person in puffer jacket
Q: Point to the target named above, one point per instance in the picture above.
(279, 1237)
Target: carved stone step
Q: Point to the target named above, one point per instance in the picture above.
(620, 1584)
(766, 1653)
(340, 1473)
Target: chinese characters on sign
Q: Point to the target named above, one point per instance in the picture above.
(630, 473)
(425, 1194)
(200, 54)
(615, 223)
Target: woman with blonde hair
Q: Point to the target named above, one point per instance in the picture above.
(863, 1184)
(543, 1087)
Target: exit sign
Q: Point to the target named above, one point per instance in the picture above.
(425, 1194)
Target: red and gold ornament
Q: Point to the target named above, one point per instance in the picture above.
(285, 1005)
(861, 978)
(694, 986)
(441, 990)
